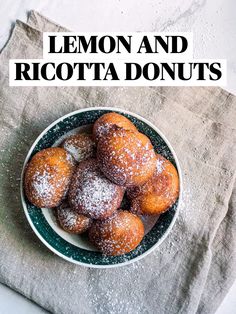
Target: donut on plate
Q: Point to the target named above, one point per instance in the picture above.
(117, 235)
(70, 221)
(104, 124)
(157, 194)
(47, 177)
(91, 193)
(80, 146)
(127, 158)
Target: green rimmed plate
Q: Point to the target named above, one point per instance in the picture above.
(77, 249)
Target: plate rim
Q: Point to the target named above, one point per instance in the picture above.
(50, 247)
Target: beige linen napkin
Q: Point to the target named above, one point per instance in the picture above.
(194, 267)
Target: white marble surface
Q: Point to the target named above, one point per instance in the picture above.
(213, 23)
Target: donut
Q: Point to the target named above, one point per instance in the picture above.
(91, 193)
(117, 235)
(70, 221)
(159, 193)
(103, 125)
(80, 146)
(126, 158)
(47, 177)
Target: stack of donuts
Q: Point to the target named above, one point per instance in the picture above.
(86, 178)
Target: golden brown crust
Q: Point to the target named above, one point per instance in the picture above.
(91, 193)
(159, 193)
(104, 124)
(47, 177)
(71, 221)
(127, 158)
(117, 235)
(80, 146)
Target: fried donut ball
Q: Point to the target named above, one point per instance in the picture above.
(159, 193)
(104, 124)
(91, 193)
(126, 158)
(47, 177)
(117, 235)
(71, 221)
(80, 146)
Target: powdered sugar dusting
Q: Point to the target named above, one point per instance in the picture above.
(67, 216)
(119, 234)
(125, 157)
(71, 221)
(103, 129)
(47, 177)
(92, 193)
(159, 165)
(42, 187)
(70, 158)
(80, 146)
(97, 192)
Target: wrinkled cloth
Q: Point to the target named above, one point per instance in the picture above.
(192, 270)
